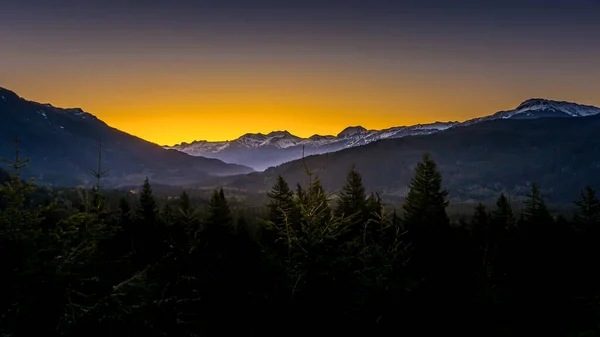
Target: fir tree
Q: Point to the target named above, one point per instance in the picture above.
(300, 193)
(184, 202)
(281, 204)
(425, 204)
(536, 212)
(588, 214)
(374, 218)
(316, 196)
(480, 218)
(17, 220)
(503, 218)
(124, 210)
(146, 234)
(352, 198)
(147, 210)
(166, 215)
(187, 215)
(219, 211)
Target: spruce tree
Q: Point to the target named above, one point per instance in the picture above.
(300, 194)
(425, 204)
(166, 215)
(184, 202)
(536, 212)
(480, 216)
(503, 218)
(352, 198)
(147, 210)
(187, 215)
(147, 236)
(373, 218)
(216, 235)
(219, 211)
(316, 196)
(588, 214)
(281, 204)
(124, 210)
(17, 221)
(373, 206)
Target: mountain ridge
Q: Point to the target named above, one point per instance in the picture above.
(262, 151)
(64, 143)
(477, 161)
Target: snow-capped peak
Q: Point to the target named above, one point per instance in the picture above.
(278, 139)
(539, 108)
(280, 134)
(352, 131)
(279, 146)
(570, 108)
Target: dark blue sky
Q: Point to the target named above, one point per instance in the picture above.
(402, 61)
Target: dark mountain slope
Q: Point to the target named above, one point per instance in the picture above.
(63, 145)
(477, 161)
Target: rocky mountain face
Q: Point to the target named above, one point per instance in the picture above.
(64, 144)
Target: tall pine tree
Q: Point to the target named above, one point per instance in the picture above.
(147, 210)
(316, 196)
(536, 212)
(588, 214)
(219, 211)
(147, 236)
(352, 198)
(425, 204)
(503, 217)
(281, 204)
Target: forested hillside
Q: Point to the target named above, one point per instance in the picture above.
(76, 265)
(478, 161)
(64, 144)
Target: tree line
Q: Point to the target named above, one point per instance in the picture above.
(310, 263)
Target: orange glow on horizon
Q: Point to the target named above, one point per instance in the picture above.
(180, 103)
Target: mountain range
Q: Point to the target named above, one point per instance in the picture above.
(556, 144)
(261, 151)
(64, 145)
(477, 162)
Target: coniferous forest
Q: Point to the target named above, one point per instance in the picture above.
(92, 264)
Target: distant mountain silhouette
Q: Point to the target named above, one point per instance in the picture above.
(63, 146)
(262, 151)
(477, 161)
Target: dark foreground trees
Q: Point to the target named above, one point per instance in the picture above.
(308, 265)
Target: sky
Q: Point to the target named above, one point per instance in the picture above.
(181, 70)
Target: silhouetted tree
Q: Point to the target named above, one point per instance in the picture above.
(588, 215)
(425, 204)
(147, 210)
(351, 200)
(536, 212)
(147, 235)
(219, 211)
(281, 204)
(184, 202)
(124, 210)
(503, 217)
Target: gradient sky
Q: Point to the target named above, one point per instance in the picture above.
(182, 70)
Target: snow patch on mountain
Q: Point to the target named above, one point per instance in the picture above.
(352, 131)
(279, 140)
(281, 146)
(539, 108)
